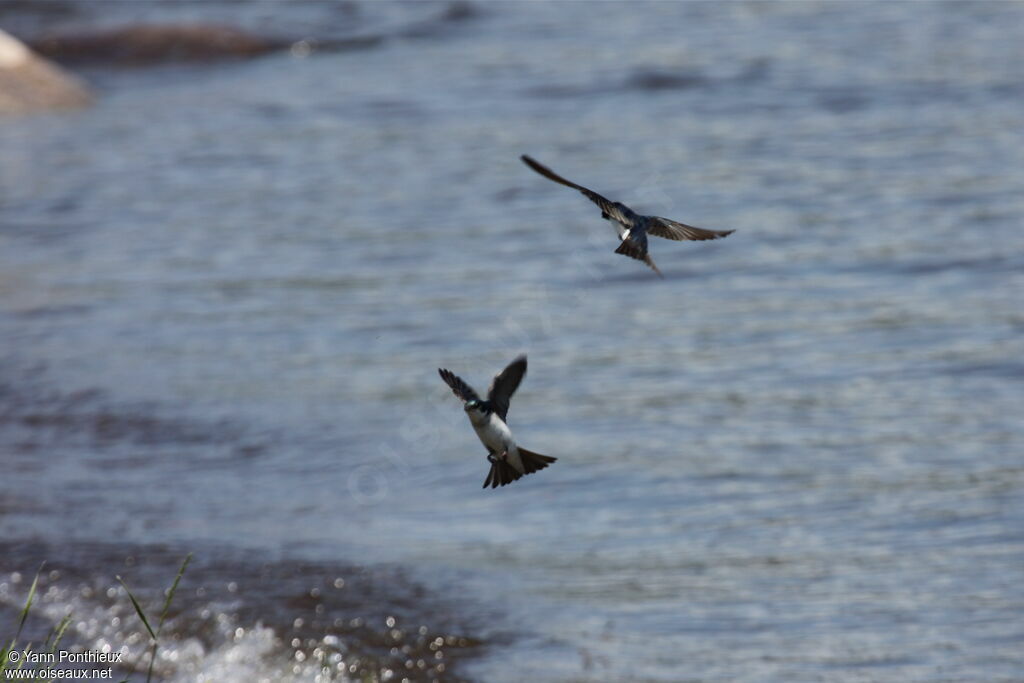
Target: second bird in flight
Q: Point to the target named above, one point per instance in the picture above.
(633, 228)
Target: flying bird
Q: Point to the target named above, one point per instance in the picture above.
(633, 228)
(509, 461)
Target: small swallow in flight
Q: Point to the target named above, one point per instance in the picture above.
(633, 228)
(508, 460)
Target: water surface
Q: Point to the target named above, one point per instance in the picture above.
(225, 291)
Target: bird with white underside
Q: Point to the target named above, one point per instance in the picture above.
(509, 461)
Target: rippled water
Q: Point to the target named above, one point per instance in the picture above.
(225, 291)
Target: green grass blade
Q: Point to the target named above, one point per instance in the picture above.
(170, 593)
(21, 621)
(21, 662)
(163, 612)
(28, 602)
(138, 609)
(58, 632)
(152, 661)
(51, 635)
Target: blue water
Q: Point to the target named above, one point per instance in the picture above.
(225, 291)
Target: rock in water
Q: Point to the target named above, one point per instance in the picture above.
(30, 83)
(143, 44)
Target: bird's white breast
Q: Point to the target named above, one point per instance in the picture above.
(492, 431)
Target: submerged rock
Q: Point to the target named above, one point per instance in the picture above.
(29, 83)
(142, 44)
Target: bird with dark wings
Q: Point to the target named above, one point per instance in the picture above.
(632, 227)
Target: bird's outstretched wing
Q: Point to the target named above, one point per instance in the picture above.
(460, 388)
(505, 384)
(671, 230)
(609, 209)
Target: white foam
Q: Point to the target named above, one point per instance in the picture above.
(240, 655)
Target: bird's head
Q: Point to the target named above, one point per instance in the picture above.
(473, 405)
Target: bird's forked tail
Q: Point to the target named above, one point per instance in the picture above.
(634, 245)
(638, 251)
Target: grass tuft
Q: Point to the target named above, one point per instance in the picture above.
(155, 635)
(8, 649)
(57, 632)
